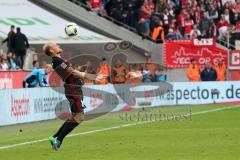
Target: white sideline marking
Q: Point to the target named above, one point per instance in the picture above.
(111, 128)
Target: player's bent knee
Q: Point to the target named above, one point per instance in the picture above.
(78, 117)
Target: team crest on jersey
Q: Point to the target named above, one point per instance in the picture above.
(64, 65)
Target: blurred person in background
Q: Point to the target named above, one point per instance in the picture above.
(226, 15)
(221, 70)
(141, 27)
(195, 32)
(170, 35)
(158, 32)
(87, 68)
(237, 26)
(188, 26)
(97, 6)
(146, 13)
(204, 34)
(134, 75)
(146, 75)
(12, 61)
(104, 69)
(212, 32)
(193, 71)
(197, 14)
(222, 27)
(213, 13)
(132, 13)
(151, 67)
(37, 76)
(208, 73)
(20, 46)
(4, 62)
(116, 10)
(171, 30)
(119, 73)
(177, 35)
(205, 22)
(181, 19)
(236, 7)
(166, 16)
(10, 39)
(160, 75)
(228, 11)
(35, 64)
(151, 5)
(161, 6)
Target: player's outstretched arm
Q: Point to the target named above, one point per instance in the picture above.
(82, 75)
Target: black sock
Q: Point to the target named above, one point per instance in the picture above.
(67, 127)
(59, 131)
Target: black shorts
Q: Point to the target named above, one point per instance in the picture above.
(76, 104)
(74, 95)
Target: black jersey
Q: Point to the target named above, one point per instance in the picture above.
(64, 70)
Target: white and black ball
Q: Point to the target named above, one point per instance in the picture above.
(71, 29)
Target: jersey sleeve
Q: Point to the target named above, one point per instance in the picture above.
(63, 68)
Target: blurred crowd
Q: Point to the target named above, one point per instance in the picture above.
(120, 73)
(173, 19)
(117, 74)
(17, 44)
(211, 72)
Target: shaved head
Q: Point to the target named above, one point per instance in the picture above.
(51, 49)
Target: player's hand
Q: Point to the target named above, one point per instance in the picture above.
(99, 77)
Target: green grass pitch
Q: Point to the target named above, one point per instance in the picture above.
(203, 132)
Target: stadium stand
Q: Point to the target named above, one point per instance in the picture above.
(167, 20)
(180, 19)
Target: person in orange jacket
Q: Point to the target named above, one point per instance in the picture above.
(158, 34)
(104, 69)
(119, 73)
(220, 68)
(193, 71)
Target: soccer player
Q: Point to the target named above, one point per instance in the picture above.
(73, 91)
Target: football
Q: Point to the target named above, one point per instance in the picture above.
(71, 29)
